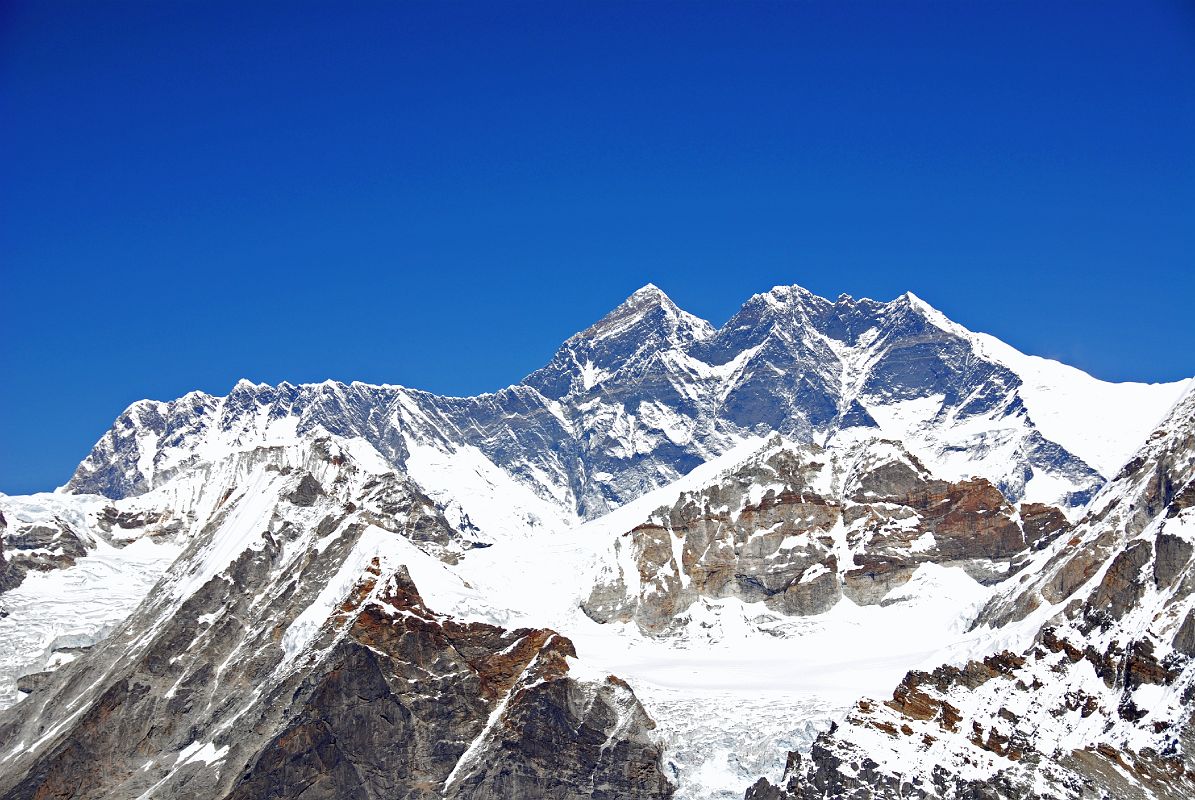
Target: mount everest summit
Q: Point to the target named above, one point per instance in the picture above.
(830, 549)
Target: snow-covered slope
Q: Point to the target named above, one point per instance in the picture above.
(59, 608)
(1096, 699)
(1101, 422)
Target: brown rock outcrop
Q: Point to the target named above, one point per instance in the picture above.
(764, 534)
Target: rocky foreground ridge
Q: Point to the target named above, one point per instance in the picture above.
(288, 653)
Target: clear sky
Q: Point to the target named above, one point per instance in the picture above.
(437, 194)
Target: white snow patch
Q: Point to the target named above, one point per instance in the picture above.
(206, 752)
(500, 506)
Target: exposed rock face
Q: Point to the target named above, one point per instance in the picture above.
(64, 578)
(307, 492)
(1099, 703)
(774, 531)
(10, 574)
(37, 546)
(1172, 554)
(1042, 524)
(288, 653)
(371, 725)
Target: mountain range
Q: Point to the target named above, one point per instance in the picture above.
(831, 548)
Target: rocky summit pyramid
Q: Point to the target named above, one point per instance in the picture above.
(830, 549)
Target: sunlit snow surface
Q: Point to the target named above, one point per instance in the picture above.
(72, 607)
(733, 698)
(1101, 422)
(742, 686)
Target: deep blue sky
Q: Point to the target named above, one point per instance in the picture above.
(438, 194)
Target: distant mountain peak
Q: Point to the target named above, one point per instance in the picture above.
(647, 322)
(783, 296)
(650, 290)
(928, 311)
(649, 301)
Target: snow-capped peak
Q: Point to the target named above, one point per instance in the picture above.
(781, 295)
(650, 290)
(1099, 421)
(649, 303)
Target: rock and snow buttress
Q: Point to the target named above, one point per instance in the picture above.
(1101, 703)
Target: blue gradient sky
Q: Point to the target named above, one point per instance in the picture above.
(438, 194)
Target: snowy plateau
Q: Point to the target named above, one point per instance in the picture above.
(839, 548)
